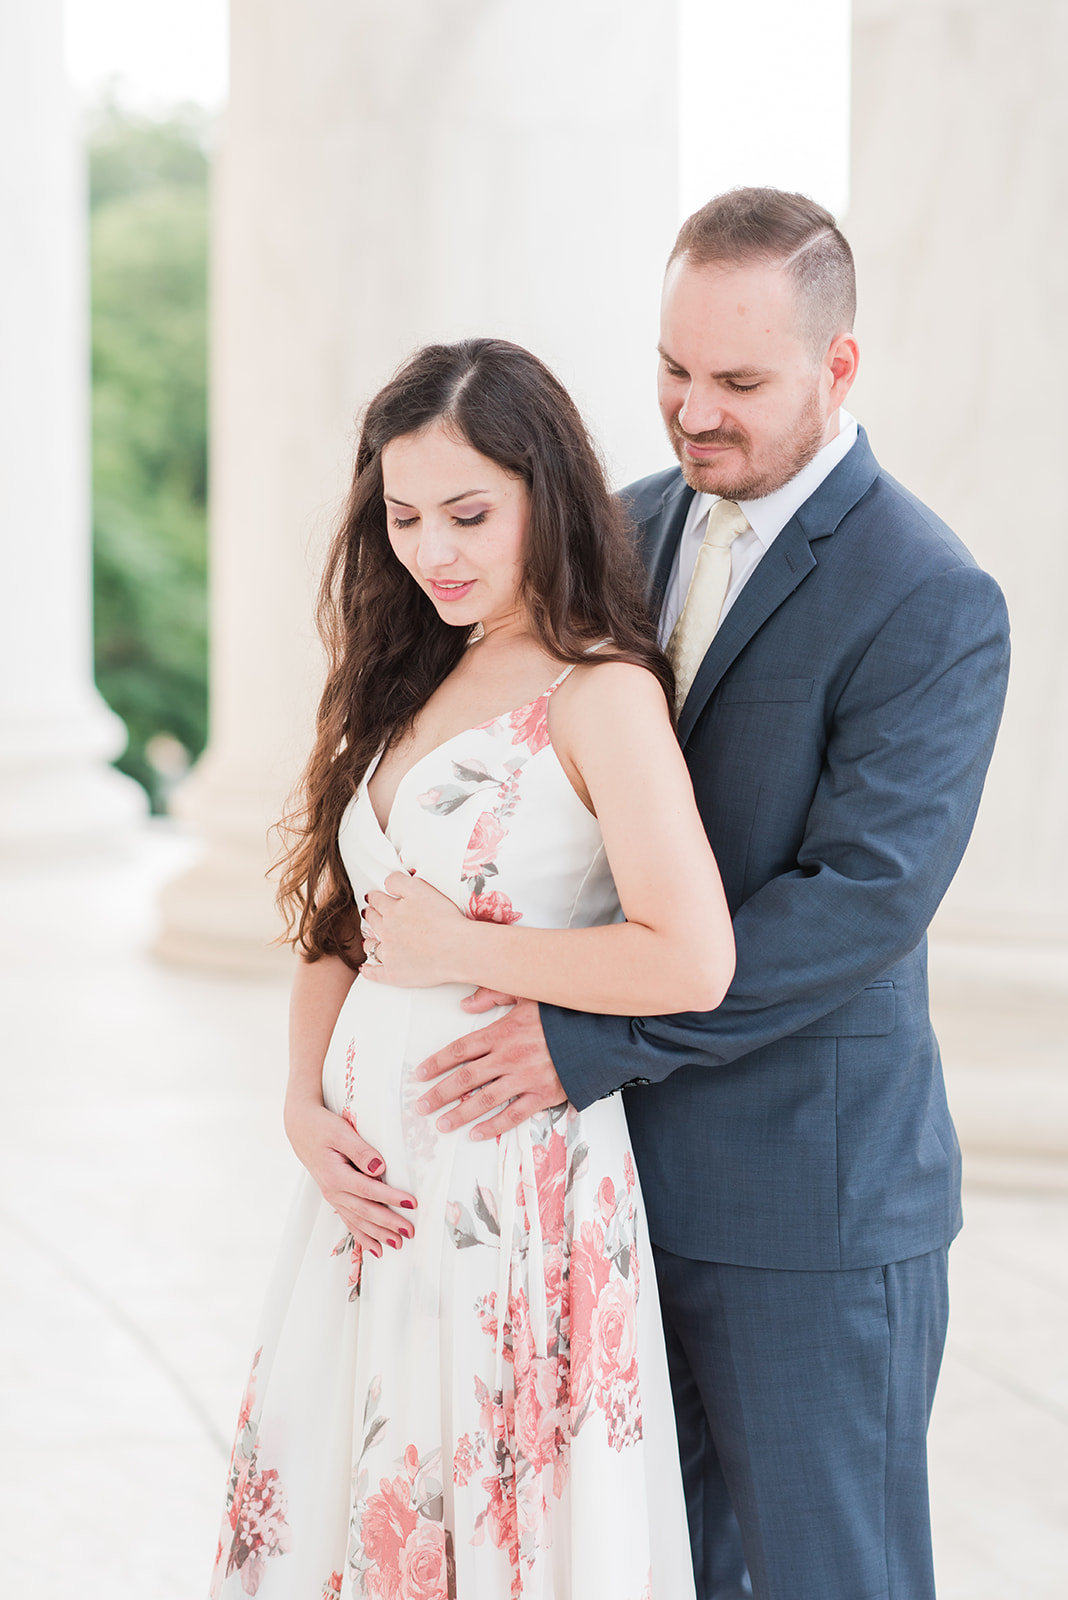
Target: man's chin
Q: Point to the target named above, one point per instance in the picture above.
(708, 478)
(728, 485)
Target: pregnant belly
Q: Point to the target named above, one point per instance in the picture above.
(381, 1036)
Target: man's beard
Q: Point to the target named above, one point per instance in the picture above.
(782, 460)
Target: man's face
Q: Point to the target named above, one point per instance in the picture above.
(746, 402)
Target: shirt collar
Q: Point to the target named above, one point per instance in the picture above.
(768, 516)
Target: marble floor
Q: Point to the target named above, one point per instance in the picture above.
(143, 1177)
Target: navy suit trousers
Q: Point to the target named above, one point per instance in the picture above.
(802, 1401)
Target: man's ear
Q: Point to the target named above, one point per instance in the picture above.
(842, 361)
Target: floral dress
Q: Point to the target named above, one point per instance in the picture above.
(485, 1414)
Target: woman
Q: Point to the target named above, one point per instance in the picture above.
(486, 1413)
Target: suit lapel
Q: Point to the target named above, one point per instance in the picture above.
(778, 574)
(780, 571)
(660, 540)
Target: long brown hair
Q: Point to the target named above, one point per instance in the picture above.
(387, 648)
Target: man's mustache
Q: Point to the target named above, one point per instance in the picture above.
(719, 437)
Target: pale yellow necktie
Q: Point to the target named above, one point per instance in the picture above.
(699, 618)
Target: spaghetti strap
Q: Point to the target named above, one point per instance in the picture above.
(569, 669)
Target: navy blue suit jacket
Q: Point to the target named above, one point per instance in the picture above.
(838, 734)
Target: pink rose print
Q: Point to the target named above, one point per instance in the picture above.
(483, 844)
(255, 1519)
(332, 1587)
(530, 725)
(606, 1200)
(539, 1418)
(493, 907)
(628, 1170)
(502, 1518)
(464, 1461)
(389, 1520)
(550, 1170)
(614, 1334)
(623, 1413)
(557, 1284)
(422, 1563)
(590, 1272)
(260, 1528)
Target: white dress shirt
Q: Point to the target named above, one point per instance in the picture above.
(767, 518)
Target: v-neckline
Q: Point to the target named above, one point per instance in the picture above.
(475, 727)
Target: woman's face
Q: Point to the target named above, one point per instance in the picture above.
(458, 522)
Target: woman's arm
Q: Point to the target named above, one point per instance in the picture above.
(675, 952)
(348, 1172)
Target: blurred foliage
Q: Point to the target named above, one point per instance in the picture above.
(148, 185)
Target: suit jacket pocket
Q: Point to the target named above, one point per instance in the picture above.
(869, 1013)
(764, 691)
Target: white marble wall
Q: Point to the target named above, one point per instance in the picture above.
(488, 168)
(959, 218)
(388, 178)
(57, 793)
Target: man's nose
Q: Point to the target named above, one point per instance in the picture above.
(700, 412)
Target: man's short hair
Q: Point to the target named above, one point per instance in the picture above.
(747, 226)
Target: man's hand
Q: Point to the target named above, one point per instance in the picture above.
(488, 1000)
(504, 1062)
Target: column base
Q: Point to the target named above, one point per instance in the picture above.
(220, 915)
(58, 795)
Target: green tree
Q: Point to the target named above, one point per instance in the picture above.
(149, 243)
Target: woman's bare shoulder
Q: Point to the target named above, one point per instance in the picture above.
(610, 682)
(604, 699)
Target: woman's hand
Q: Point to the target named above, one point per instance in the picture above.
(413, 935)
(350, 1175)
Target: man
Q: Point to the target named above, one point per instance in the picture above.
(841, 664)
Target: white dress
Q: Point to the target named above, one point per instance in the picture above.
(484, 1414)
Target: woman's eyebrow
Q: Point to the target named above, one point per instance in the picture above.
(466, 495)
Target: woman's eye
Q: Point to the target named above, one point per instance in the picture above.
(470, 522)
(405, 522)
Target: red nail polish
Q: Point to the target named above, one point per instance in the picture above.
(375, 1167)
(395, 1243)
(409, 1205)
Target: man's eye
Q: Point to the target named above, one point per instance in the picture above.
(470, 522)
(743, 388)
(674, 372)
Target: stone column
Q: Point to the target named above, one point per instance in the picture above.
(959, 218)
(57, 793)
(391, 175)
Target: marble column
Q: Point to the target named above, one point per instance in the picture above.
(959, 218)
(58, 796)
(390, 176)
